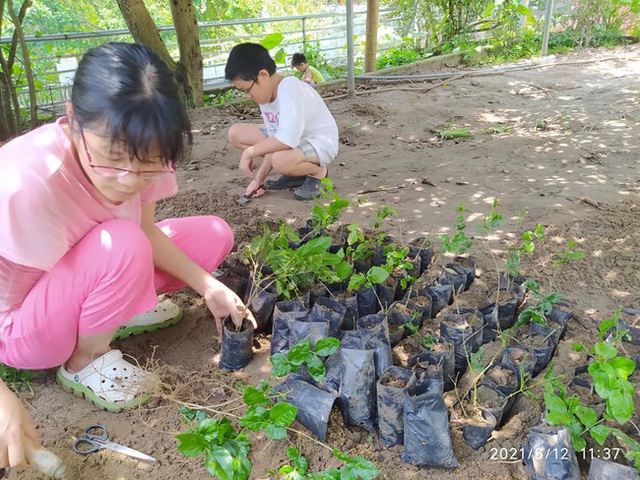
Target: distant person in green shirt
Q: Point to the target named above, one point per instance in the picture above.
(310, 74)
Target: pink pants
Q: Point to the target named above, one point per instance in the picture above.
(103, 281)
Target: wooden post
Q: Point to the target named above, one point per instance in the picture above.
(371, 47)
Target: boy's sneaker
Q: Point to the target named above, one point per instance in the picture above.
(284, 182)
(309, 189)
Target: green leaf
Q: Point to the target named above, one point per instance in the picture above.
(327, 346)
(283, 414)
(586, 415)
(316, 368)
(219, 463)
(300, 352)
(191, 444)
(281, 366)
(272, 40)
(253, 396)
(600, 433)
(605, 350)
(620, 407)
(377, 274)
(276, 432)
(577, 347)
(280, 56)
(343, 270)
(623, 366)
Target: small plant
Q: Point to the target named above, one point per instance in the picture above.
(373, 276)
(294, 269)
(303, 354)
(459, 243)
(529, 239)
(15, 379)
(355, 468)
(610, 374)
(323, 216)
(396, 261)
(570, 253)
(544, 305)
(427, 341)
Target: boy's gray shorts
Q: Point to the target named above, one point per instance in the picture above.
(310, 153)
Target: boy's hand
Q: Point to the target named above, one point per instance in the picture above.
(246, 164)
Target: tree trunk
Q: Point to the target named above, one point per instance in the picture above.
(144, 31)
(17, 24)
(371, 46)
(184, 19)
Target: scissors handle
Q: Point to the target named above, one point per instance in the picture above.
(96, 432)
(85, 446)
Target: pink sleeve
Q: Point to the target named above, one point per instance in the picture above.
(164, 187)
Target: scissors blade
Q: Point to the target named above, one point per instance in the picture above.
(116, 447)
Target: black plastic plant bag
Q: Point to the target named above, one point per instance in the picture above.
(390, 396)
(314, 405)
(427, 437)
(507, 303)
(558, 319)
(367, 301)
(467, 266)
(465, 337)
(500, 406)
(452, 275)
(329, 311)
(629, 319)
(352, 374)
(305, 330)
(419, 301)
(503, 377)
(236, 346)
(350, 302)
(476, 434)
(416, 265)
(606, 470)
(440, 297)
(374, 332)
(284, 313)
(428, 365)
(549, 455)
(421, 246)
(435, 357)
(236, 278)
(261, 302)
(522, 358)
(386, 293)
(398, 315)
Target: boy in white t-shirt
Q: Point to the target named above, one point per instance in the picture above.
(299, 137)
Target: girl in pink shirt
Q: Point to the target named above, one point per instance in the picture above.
(81, 258)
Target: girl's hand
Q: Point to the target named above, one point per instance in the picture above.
(16, 428)
(223, 302)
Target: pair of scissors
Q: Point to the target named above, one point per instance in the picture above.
(96, 437)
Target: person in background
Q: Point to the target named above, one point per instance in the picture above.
(81, 256)
(310, 74)
(299, 137)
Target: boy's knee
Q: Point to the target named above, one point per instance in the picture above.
(235, 135)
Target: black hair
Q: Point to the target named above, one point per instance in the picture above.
(246, 60)
(297, 59)
(128, 89)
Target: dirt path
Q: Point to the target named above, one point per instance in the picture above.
(568, 156)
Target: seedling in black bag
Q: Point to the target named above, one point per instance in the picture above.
(323, 216)
(303, 354)
(459, 243)
(544, 305)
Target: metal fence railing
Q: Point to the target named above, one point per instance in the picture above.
(58, 54)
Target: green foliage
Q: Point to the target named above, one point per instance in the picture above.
(568, 254)
(294, 269)
(323, 216)
(476, 359)
(399, 56)
(528, 245)
(373, 276)
(445, 133)
(609, 373)
(225, 450)
(493, 220)
(544, 305)
(459, 243)
(355, 468)
(15, 379)
(303, 354)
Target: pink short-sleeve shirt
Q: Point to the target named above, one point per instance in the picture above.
(47, 205)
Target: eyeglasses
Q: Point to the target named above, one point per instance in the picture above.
(118, 172)
(248, 90)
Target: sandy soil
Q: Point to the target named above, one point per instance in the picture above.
(569, 158)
